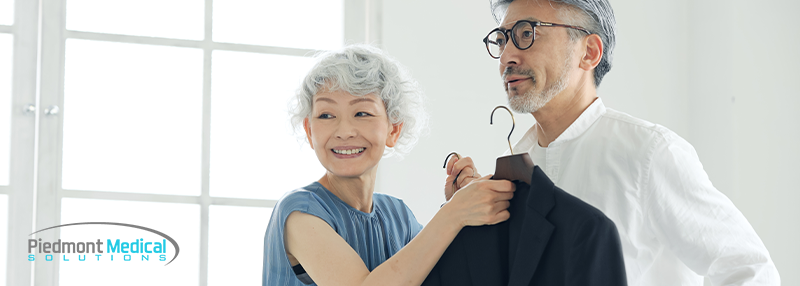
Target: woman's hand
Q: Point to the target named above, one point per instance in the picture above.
(481, 202)
(330, 260)
(455, 166)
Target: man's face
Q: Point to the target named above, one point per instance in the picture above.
(534, 76)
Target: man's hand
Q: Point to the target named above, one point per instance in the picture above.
(463, 171)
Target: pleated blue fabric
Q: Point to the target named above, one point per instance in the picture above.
(375, 236)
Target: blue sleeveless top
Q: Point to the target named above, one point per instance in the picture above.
(375, 236)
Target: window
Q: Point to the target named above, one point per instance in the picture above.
(6, 70)
(171, 114)
(6, 12)
(6, 49)
(3, 237)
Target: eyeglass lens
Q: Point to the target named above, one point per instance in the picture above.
(523, 37)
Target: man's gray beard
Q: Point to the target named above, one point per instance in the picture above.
(532, 101)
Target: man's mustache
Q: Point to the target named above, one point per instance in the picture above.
(509, 71)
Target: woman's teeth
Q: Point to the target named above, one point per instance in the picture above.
(348, 152)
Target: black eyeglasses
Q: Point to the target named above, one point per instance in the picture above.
(522, 34)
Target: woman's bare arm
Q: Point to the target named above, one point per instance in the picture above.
(329, 260)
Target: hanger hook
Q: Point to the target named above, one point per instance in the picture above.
(513, 124)
(448, 157)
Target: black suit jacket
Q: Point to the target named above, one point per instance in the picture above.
(552, 238)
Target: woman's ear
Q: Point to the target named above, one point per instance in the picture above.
(394, 134)
(307, 128)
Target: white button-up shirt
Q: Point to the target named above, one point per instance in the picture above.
(675, 227)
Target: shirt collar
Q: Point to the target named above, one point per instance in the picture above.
(584, 121)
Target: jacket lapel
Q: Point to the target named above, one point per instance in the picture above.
(530, 231)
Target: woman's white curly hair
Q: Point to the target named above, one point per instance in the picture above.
(361, 70)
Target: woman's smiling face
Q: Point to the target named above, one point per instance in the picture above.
(349, 133)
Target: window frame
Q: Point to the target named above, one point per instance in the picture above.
(361, 25)
(21, 185)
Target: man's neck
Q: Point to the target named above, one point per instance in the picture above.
(558, 114)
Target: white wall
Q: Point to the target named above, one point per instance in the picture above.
(719, 73)
(448, 58)
(744, 110)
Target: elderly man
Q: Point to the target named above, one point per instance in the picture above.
(675, 227)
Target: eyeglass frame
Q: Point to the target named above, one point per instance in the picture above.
(533, 24)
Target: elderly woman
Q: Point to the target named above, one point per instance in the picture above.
(356, 106)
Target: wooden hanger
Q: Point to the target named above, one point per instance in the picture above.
(514, 166)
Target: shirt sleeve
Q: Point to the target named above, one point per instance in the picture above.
(700, 224)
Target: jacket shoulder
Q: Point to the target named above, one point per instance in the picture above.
(575, 212)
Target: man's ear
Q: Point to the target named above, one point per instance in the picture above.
(593, 52)
(394, 134)
(307, 128)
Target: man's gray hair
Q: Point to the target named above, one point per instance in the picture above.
(361, 70)
(593, 15)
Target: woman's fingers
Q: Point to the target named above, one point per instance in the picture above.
(499, 185)
(499, 213)
(450, 163)
(460, 172)
(467, 175)
(448, 188)
(484, 201)
(501, 206)
(502, 216)
(503, 196)
(460, 164)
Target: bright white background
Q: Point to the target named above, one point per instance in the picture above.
(3, 236)
(719, 73)
(6, 11)
(5, 100)
(722, 74)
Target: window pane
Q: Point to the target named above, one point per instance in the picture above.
(276, 23)
(181, 19)
(132, 118)
(227, 227)
(4, 237)
(253, 151)
(6, 47)
(179, 221)
(6, 13)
